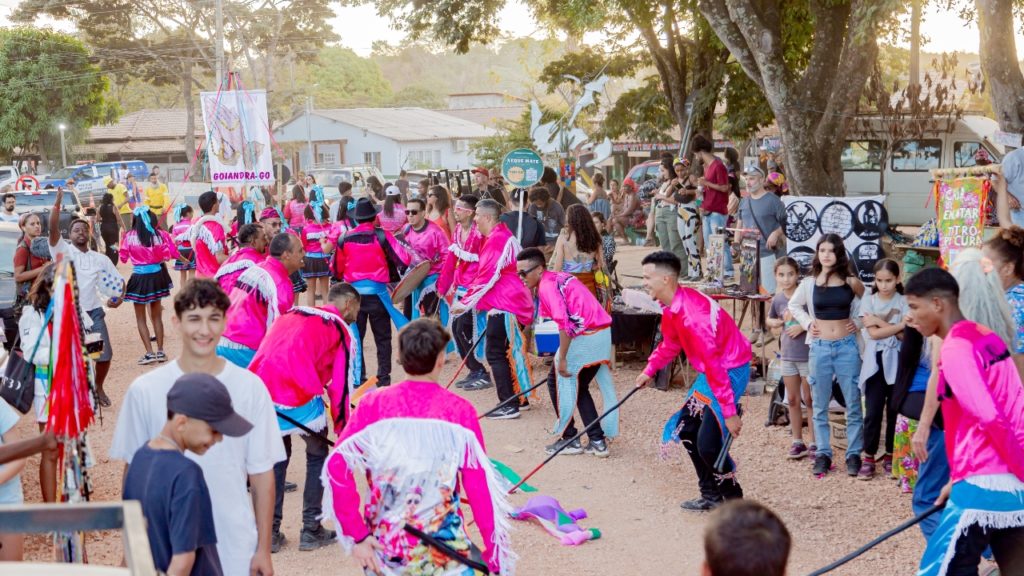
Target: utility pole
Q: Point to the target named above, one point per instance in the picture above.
(63, 150)
(309, 130)
(219, 10)
(915, 43)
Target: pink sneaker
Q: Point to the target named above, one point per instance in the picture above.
(797, 451)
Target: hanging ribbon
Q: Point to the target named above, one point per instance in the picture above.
(317, 206)
(142, 212)
(178, 209)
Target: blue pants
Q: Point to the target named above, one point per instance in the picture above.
(932, 475)
(839, 359)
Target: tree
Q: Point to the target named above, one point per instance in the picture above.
(172, 41)
(895, 114)
(510, 135)
(48, 78)
(812, 92)
(999, 61)
(416, 96)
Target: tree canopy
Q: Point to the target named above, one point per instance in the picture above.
(48, 78)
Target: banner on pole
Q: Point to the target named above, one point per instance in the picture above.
(238, 143)
(960, 214)
(859, 221)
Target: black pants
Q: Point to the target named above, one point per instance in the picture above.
(371, 308)
(584, 402)
(429, 305)
(1007, 549)
(496, 349)
(876, 399)
(702, 438)
(463, 328)
(312, 491)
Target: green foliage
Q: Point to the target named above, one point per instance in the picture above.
(641, 114)
(344, 79)
(746, 110)
(455, 23)
(48, 78)
(588, 63)
(417, 96)
(510, 135)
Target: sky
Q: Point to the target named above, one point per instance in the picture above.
(944, 30)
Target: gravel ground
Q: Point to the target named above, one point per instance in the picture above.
(632, 497)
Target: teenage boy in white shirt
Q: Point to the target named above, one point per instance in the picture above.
(243, 537)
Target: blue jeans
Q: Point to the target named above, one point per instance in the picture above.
(712, 222)
(838, 359)
(932, 475)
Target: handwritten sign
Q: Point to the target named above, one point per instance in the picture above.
(961, 215)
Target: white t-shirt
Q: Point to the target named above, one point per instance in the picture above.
(5, 217)
(97, 276)
(226, 465)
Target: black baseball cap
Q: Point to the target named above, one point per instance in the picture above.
(203, 397)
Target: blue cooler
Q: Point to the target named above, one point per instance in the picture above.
(546, 335)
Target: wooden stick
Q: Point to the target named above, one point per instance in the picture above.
(968, 171)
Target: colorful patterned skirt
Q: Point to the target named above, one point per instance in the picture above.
(316, 265)
(188, 259)
(904, 463)
(148, 284)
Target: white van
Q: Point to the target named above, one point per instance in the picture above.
(908, 180)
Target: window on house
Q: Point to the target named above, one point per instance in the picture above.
(424, 159)
(372, 158)
(327, 158)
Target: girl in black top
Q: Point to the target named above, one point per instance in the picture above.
(109, 229)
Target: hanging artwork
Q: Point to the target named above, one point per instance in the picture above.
(238, 137)
(716, 258)
(750, 265)
(859, 221)
(959, 205)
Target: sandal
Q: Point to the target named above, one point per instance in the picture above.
(103, 400)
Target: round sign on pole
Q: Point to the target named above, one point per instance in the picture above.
(522, 168)
(26, 182)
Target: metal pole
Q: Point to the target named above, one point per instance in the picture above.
(63, 151)
(309, 130)
(219, 11)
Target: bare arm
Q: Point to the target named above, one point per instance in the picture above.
(1002, 201)
(54, 235)
(22, 275)
(919, 442)
(181, 564)
(263, 504)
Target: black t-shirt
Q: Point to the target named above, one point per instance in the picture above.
(533, 232)
(493, 192)
(176, 504)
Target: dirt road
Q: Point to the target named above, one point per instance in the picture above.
(632, 497)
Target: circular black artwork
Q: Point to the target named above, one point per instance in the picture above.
(801, 221)
(803, 255)
(864, 258)
(836, 218)
(870, 220)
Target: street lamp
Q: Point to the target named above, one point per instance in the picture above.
(63, 153)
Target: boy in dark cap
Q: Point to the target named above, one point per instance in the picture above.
(171, 488)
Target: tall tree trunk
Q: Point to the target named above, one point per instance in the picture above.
(999, 62)
(190, 116)
(915, 43)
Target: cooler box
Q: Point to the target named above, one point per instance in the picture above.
(546, 335)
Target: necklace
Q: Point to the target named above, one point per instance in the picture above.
(171, 441)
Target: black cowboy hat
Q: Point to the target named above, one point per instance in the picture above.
(364, 210)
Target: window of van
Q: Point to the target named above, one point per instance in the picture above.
(916, 155)
(862, 155)
(963, 154)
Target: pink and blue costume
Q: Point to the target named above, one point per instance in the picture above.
(244, 258)
(261, 294)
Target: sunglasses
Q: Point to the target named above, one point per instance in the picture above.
(411, 212)
(524, 273)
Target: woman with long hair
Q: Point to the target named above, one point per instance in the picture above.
(598, 200)
(185, 264)
(392, 216)
(1006, 252)
(625, 215)
(109, 226)
(578, 248)
(33, 329)
(27, 267)
(825, 305)
(439, 209)
(376, 189)
(148, 248)
(295, 209)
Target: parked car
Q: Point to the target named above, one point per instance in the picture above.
(356, 174)
(9, 234)
(642, 172)
(8, 175)
(90, 179)
(42, 202)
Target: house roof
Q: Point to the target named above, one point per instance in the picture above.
(148, 124)
(404, 124)
(489, 117)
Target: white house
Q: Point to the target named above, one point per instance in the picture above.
(390, 138)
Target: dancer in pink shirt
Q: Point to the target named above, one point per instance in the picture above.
(252, 249)
(368, 258)
(584, 352)
(306, 351)
(207, 237)
(693, 323)
(261, 294)
(317, 271)
(430, 243)
(983, 411)
(186, 262)
(459, 268)
(148, 250)
(497, 292)
(420, 448)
